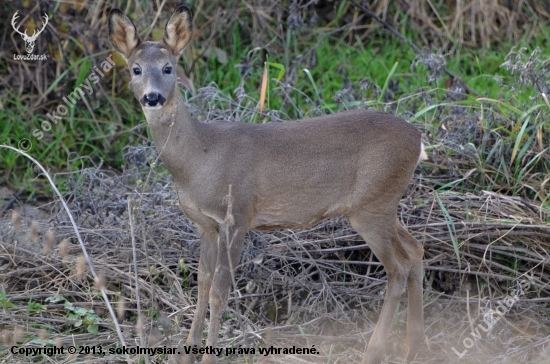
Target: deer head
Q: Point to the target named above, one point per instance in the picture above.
(152, 64)
(29, 40)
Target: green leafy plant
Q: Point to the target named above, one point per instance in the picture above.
(34, 306)
(4, 301)
(82, 316)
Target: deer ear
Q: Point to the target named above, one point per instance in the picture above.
(122, 33)
(179, 30)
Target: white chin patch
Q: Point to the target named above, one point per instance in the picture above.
(157, 107)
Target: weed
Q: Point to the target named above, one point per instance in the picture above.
(82, 317)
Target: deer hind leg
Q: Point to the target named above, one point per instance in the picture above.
(415, 313)
(383, 239)
(207, 266)
(228, 250)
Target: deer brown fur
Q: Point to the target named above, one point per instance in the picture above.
(282, 175)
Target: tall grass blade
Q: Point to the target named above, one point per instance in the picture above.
(518, 139)
(306, 71)
(450, 227)
(387, 82)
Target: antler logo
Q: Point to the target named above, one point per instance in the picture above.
(29, 40)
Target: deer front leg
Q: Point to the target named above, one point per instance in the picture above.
(229, 250)
(207, 266)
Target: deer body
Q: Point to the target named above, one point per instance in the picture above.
(274, 171)
(279, 175)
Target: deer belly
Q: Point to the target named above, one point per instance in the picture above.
(280, 214)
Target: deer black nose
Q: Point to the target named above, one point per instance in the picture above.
(153, 99)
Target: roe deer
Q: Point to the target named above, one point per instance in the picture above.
(283, 175)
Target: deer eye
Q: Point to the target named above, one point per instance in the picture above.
(168, 70)
(136, 70)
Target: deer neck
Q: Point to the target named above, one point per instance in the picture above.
(177, 136)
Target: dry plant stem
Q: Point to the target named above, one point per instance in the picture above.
(229, 241)
(409, 43)
(95, 16)
(157, 15)
(153, 304)
(82, 246)
(138, 300)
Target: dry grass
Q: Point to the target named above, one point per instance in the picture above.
(321, 286)
(315, 281)
(467, 23)
(471, 22)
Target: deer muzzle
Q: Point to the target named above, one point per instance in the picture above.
(153, 101)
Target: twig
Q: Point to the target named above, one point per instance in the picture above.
(157, 15)
(136, 276)
(11, 201)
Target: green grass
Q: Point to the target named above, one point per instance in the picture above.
(478, 68)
